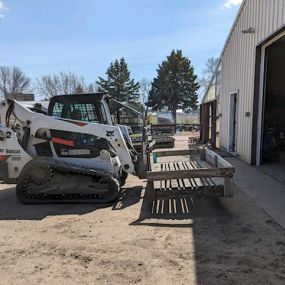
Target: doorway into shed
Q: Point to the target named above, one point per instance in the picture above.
(208, 123)
(233, 121)
(273, 130)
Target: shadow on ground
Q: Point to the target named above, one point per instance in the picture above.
(12, 209)
(234, 240)
(128, 197)
(181, 212)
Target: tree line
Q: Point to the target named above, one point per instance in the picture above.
(174, 87)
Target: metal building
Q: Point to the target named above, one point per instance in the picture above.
(249, 86)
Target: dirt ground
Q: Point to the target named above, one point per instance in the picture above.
(203, 241)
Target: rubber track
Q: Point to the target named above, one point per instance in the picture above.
(66, 168)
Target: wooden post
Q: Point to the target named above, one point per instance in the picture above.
(216, 161)
(202, 153)
(148, 160)
(150, 191)
(214, 123)
(228, 187)
(201, 122)
(205, 123)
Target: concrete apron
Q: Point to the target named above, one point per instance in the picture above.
(262, 188)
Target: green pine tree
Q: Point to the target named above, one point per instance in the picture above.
(119, 85)
(175, 86)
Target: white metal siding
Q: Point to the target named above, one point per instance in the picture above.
(238, 66)
(211, 93)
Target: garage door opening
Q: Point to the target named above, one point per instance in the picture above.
(273, 131)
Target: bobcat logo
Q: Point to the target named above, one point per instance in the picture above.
(109, 133)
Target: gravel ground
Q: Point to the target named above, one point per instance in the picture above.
(203, 241)
(131, 242)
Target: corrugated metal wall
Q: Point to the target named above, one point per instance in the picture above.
(238, 66)
(211, 92)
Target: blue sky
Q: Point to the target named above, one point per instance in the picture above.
(50, 36)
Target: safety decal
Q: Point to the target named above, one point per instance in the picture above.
(63, 142)
(109, 133)
(4, 157)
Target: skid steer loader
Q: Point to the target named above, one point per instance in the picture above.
(71, 153)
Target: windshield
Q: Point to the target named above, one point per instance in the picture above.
(81, 108)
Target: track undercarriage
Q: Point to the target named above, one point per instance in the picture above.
(52, 181)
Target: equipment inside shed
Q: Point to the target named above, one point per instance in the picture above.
(273, 148)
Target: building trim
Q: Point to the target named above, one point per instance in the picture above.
(224, 48)
(258, 98)
(233, 26)
(255, 105)
(229, 120)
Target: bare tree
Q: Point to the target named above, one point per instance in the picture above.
(208, 72)
(63, 83)
(145, 87)
(92, 88)
(13, 81)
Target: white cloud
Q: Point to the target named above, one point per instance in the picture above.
(231, 3)
(2, 8)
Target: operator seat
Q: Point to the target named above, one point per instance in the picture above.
(76, 115)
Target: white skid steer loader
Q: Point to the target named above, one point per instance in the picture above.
(70, 154)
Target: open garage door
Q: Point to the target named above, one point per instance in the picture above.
(272, 146)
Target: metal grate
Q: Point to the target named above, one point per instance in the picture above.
(78, 111)
(57, 110)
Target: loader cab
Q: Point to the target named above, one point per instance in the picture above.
(82, 107)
